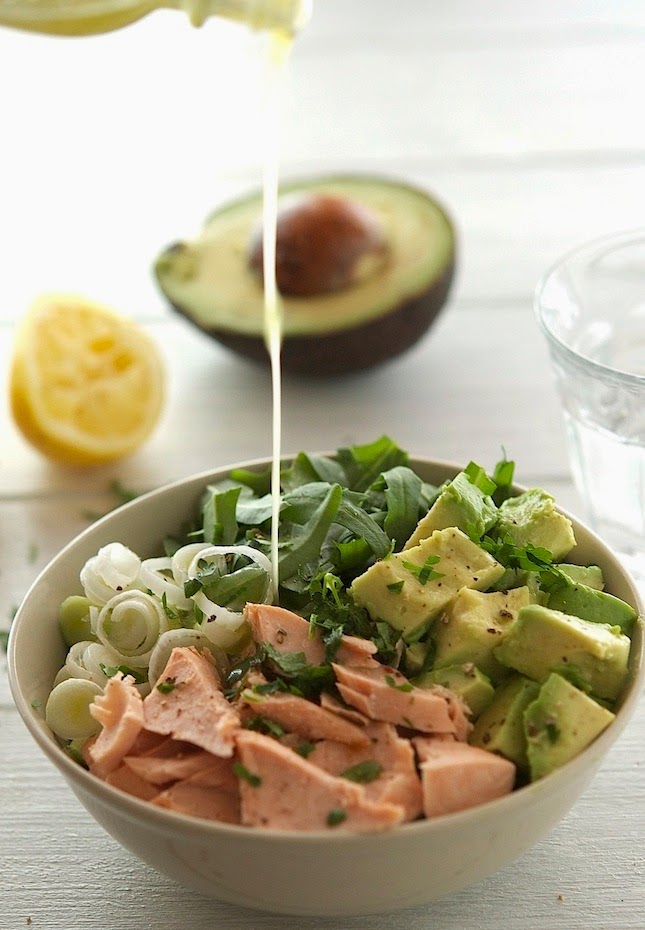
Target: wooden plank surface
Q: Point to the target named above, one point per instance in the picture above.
(526, 121)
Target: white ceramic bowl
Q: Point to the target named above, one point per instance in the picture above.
(308, 874)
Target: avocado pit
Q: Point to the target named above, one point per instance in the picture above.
(324, 243)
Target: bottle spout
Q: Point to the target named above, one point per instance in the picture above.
(288, 16)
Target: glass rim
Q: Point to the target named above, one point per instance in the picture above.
(622, 238)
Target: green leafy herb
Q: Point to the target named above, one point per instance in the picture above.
(265, 725)
(424, 573)
(36, 704)
(168, 610)
(404, 686)
(503, 477)
(363, 772)
(336, 816)
(305, 749)
(219, 516)
(167, 685)
(242, 772)
(552, 731)
(396, 587)
(402, 497)
(111, 670)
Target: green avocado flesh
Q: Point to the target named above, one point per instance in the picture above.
(209, 281)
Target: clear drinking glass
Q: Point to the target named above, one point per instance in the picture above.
(591, 308)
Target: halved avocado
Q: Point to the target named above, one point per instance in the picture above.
(364, 265)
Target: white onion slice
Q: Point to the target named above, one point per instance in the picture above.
(131, 623)
(182, 559)
(153, 577)
(113, 569)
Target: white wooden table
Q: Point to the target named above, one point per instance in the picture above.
(527, 121)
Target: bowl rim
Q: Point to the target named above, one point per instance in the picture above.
(167, 820)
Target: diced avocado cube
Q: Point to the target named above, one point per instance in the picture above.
(543, 640)
(466, 680)
(409, 589)
(415, 657)
(560, 723)
(500, 727)
(460, 503)
(580, 600)
(590, 575)
(473, 625)
(531, 519)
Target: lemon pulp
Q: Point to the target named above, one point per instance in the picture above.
(86, 385)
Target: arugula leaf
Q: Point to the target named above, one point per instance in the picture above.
(219, 521)
(402, 493)
(363, 464)
(253, 511)
(306, 469)
(258, 481)
(307, 545)
(503, 478)
(244, 582)
(351, 554)
(363, 527)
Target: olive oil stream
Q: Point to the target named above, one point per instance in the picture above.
(279, 49)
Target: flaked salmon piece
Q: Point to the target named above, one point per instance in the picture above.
(127, 780)
(119, 710)
(456, 776)
(329, 702)
(397, 782)
(147, 742)
(201, 801)
(354, 650)
(383, 693)
(298, 715)
(161, 769)
(188, 704)
(281, 790)
(286, 631)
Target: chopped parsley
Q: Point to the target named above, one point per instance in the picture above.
(305, 749)
(167, 685)
(424, 573)
(404, 686)
(242, 772)
(266, 726)
(110, 671)
(336, 816)
(363, 772)
(396, 587)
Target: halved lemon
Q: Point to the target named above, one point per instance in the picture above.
(86, 385)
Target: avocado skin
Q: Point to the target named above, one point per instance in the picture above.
(349, 350)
